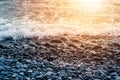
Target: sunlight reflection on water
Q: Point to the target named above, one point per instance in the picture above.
(30, 18)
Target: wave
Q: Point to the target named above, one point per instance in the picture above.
(26, 28)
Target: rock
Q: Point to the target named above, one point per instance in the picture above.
(70, 78)
(94, 54)
(98, 74)
(64, 38)
(56, 41)
(86, 77)
(6, 78)
(27, 78)
(48, 45)
(75, 40)
(7, 38)
(118, 60)
(39, 77)
(21, 73)
(14, 75)
(117, 77)
(32, 44)
(49, 73)
(1, 46)
(97, 47)
(25, 66)
(51, 58)
(85, 60)
(28, 61)
(30, 71)
(2, 68)
(107, 78)
(2, 59)
(113, 75)
(49, 69)
(3, 73)
(97, 59)
(22, 70)
(111, 69)
(12, 61)
(42, 77)
(116, 44)
(72, 45)
(53, 77)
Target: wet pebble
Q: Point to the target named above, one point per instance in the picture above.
(56, 41)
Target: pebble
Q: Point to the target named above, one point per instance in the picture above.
(64, 38)
(29, 66)
(49, 73)
(1, 46)
(75, 40)
(2, 68)
(56, 41)
(85, 60)
(72, 45)
(30, 71)
(28, 61)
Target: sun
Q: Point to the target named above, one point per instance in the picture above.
(91, 5)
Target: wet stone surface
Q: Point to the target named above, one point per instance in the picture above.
(61, 58)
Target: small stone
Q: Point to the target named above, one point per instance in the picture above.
(30, 71)
(28, 61)
(108, 78)
(72, 45)
(11, 61)
(97, 47)
(116, 44)
(49, 69)
(64, 38)
(47, 45)
(98, 74)
(32, 44)
(2, 68)
(70, 78)
(97, 59)
(86, 60)
(93, 53)
(56, 41)
(111, 69)
(27, 78)
(113, 75)
(1, 46)
(51, 58)
(49, 73)
(22, 70)
(6, 78)
(14, 75)
(9, 38)
(75, 40)
(117, 77)
(25, 66)
(97, 79)
(39, 77)
(3, 73)
(21, 73)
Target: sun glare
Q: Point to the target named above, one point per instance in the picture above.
(91, 5)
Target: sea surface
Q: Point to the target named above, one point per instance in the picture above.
(39, 18)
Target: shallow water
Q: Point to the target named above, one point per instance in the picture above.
(27, 18)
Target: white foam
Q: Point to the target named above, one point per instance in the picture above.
(25, 28)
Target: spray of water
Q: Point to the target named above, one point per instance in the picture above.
(28, 19)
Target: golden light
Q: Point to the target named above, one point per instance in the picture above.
(91, 5)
